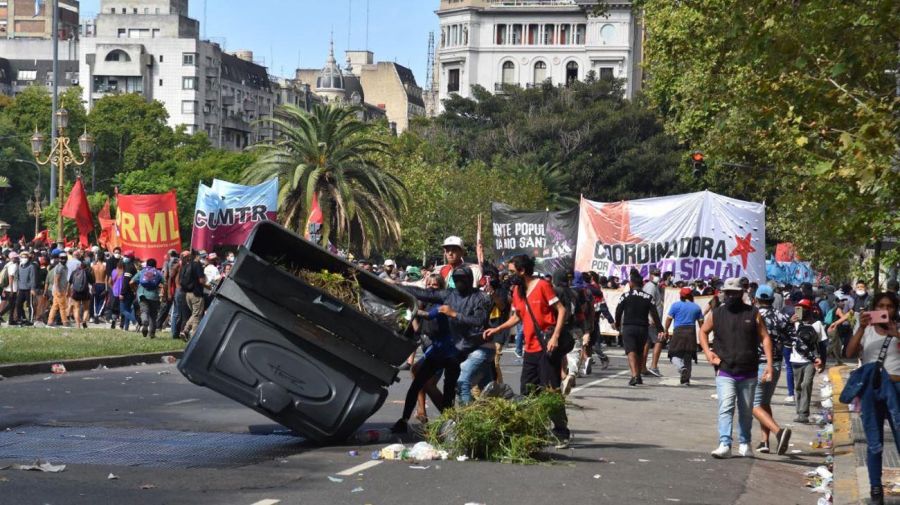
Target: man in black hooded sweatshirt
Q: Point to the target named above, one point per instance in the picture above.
(462, 317)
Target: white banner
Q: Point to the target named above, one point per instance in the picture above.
(695, 236)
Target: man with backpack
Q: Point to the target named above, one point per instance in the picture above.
(192, 280)
(573, 327)
(81, 281)
(58, 286)
(805, 359)
(147, 282)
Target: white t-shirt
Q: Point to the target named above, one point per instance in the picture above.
(211, 272)
(11, 268)
(871, 347)
(796, 357)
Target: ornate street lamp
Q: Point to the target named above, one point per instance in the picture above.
(61, 155)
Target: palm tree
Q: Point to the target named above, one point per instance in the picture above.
(328, 153)
(560, 193)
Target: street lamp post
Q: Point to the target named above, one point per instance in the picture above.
(35, 207)
(61, 155)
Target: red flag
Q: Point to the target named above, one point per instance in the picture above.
(77, 208)
(109, 238)
(5, 240)
(315, 221)
(43, 236)
(68, 243)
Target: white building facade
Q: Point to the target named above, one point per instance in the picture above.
(152, 48)
(492, 43)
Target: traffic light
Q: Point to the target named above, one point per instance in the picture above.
(698, 163)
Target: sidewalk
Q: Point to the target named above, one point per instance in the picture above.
(851, 481)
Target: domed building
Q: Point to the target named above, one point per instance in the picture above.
(330, 81)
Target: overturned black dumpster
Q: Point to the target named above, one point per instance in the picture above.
(293, 352)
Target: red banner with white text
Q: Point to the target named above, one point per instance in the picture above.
(148, 224)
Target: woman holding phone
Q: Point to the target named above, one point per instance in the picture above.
(868, 341)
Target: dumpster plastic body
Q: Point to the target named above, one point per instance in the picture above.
(291, 351)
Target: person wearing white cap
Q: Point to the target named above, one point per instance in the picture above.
(454, 253)
(390, 270)
(739, 331)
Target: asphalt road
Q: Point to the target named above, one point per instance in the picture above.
(169, 441)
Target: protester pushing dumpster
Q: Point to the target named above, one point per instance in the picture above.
(301, 336)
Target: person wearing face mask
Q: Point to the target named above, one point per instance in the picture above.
(739, 331)
(81, 281)
(860, 297)
(454, 252)
(652, 289)
(26, 283)
(10, 288)
(461, 314)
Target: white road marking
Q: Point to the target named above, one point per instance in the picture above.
(267, 502)
(359, 468)
(598, 381)
(182, 402)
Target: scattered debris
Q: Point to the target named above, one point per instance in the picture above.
(419, 467)
(101, 367)
(393, 452)
(643, 461)
(357, 490)
(596, 475)
(373, 436)
(336, 480)
(673, 499)
(148, 486)
(164, 372)
(37, 466)
(796, 451)
(58, 368)
(353, 453)
(462, 458)
(697, 460)
(423, 451)
(74, 436)
(112, 476)
(2, 377)
(169, 360)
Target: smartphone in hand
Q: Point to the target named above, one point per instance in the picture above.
(879, 316)
(798, 311)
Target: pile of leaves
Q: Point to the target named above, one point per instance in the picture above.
(497, 429)
(342, 287)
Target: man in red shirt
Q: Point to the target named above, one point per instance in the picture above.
(542, 362)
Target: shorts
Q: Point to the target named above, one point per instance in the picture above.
(766, 390)
(634, 338)
(652, 335)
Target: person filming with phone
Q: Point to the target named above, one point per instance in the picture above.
(877, 341)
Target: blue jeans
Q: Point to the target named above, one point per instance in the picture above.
(735, 393)
(766, 390)
(478, 366)
(127, 310)
(520, 339)
(178, 307)
(874, 413)
(788, 369)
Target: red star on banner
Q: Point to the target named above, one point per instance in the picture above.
(743, 249)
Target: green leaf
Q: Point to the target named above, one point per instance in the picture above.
(846, 140)
(822, 167)
(838, 69)
(802, 141)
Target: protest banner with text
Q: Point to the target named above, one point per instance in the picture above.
(148, 224)
(226, 213)
(548, 236)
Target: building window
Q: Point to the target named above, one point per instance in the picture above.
(607, 73)
(501, 35)
(161, 58)
(189, 59)
(454, 35)
(565, 34)
(155, 33)
(517, 34)
(122, 33)
(571, 72)
(549, 37)
(26, 75)
(580, 33)
(118, 55)
(453, 80)
(533, 34)
(160, 82)
(540, 72)
(188, 107)
(607, 34)
(188, 83)
(139, 33)
(465, 35)
(509, 73)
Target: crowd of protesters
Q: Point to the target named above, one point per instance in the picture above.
(56, 286)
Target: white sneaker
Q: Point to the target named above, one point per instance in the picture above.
(789, 399)
(744, 451)
(722, 452)
(567, 384)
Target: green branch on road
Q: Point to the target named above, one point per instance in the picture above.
(26, 345)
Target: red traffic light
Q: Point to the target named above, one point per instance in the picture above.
(697, 156)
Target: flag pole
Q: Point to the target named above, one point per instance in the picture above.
(54, 5)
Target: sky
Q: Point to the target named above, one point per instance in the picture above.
(288, 31)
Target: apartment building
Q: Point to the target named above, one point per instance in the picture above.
(27, 19)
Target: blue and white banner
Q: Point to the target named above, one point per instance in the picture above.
(226, 212)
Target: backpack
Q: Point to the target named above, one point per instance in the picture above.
(831, 317)
(150, 279)
(80, 281)
(808, 335)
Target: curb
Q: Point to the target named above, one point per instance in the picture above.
(846, 481)
(43, 367)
